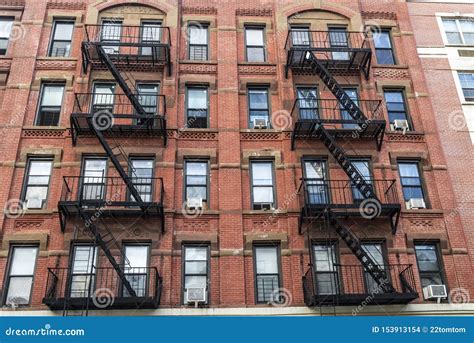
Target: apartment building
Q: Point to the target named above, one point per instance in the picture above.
(223, 157)
(443, 33)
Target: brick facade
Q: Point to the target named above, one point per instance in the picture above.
(229, 225)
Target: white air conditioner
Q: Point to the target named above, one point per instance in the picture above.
(400, 125)
(260, 123)
(195, 295)
(267, 206)
(434, 292)
(416, 203)
(194, 203)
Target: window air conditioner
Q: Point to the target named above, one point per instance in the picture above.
(260, 123)
(434, 292)
(400, 125)
(416, 203)
(195, 295)
(194, 203)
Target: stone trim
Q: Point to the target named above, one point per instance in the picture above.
(25, 237)
(268, 154)
(261, 237)
(183, 153)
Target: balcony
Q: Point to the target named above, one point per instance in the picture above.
(109, 196)
(343, 199)
(135, 47)
(114, 115)
(339, 50)
(308, 113)
(102, 289)
(352, 285)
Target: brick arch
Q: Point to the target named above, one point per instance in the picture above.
(343, 11)
(150, 3)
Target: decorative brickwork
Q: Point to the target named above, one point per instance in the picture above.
(66, 5)
(254, 12)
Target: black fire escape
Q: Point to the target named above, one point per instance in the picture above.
(89, 198)
(324, 53)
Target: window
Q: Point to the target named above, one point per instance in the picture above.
(363, 166)
(354, 96)
(83, 273)
(103, 97)
(196, 268)
(339, 39)
(50, 104)
(148, 99)
(467, 85)
(19, 280)
(111, 35)
(151, 34)
(197, 107)
(396, 105)
(325, 270)
(61, 38)
(375, 251)
(196, 178)
(410, 180)
(137, 271)
(383, 47)
(93, 179)
(254, 42)
(262, 185)
(6, 24)
(317, 188)
(267, 273)
(142, 178)
(300, 36)
(307, 103)
(459, 31)
(37, 180)
(258, 106)
(429, 266)
(198, 41)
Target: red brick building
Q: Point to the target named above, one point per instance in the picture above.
(277, 157)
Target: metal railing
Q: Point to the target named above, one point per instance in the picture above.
(331, 111)
(119, 105)
(337, 40)
(354, 280)
(110, 191)
(316, 192)
(63, 283)
(128, 35)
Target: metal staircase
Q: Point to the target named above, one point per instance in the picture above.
(357, 180)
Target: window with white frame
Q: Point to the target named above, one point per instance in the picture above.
(459, 31)
(467, 85)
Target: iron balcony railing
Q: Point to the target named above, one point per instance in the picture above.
(338, 41)
(352, 284)
(343, 193)
(141, 36)
(331, 111)
(110, 192)
(102, 288)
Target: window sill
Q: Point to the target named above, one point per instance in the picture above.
(266, 63)
(390, 66)
(38, 127)
(54, 58)
(37, 211)
(426, 211)
(198, 62)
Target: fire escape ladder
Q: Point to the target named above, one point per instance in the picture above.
(106, 241)
(105, 58)
(378, 274)
(365, 188)
(114, 153)
(345, 100)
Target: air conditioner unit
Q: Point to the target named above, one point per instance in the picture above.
(416, 203)
(267, 206)
(195, 295)
(194, 203)
(260, 123)
(400, 125)
(434, 292)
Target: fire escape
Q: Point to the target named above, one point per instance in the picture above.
(324, 53)
(108, 117)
